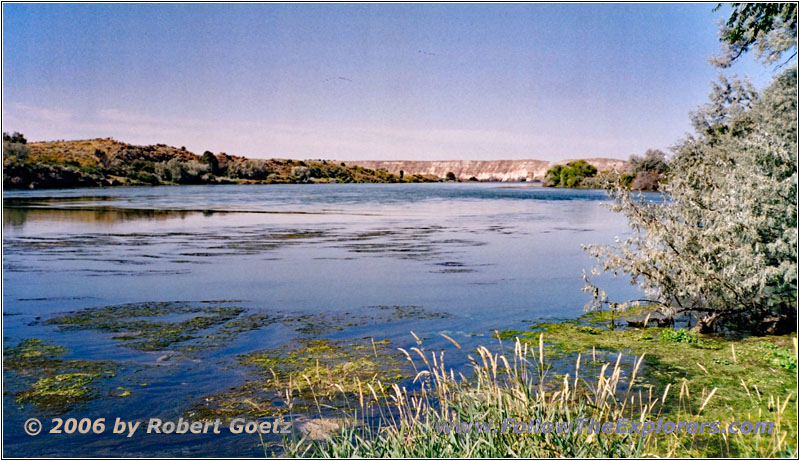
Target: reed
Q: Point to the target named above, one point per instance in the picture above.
(521, 386)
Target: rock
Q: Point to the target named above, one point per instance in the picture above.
(319, 428)
(482, 170)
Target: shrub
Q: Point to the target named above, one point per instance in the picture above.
(678, 336)
(209, 159)
(18, 150)
(248, 169)
(722, 245)
(16, 138)
(569, 175)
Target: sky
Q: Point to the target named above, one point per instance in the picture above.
(364, 81)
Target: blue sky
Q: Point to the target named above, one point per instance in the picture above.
(382, 81)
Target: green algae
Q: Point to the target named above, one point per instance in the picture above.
(30, 350)
(60, 389)
(326, 366)
(124, 392)
(754, 377)
(410, 312)
(48, 381)
(194, 327)
(313, 374)
(146, 326)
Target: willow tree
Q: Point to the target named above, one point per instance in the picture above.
(722, 244)
(769, 28)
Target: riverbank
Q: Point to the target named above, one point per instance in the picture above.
(580, 373)
(106, 162)
(370, 398)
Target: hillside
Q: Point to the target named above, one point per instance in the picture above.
(106, 162)
(483, 170)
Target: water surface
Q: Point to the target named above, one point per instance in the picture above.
(355, 261)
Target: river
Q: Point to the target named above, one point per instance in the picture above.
(338, 262)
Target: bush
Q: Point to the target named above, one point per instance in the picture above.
(678, 336)
(248, 169)
(570, 175)
(16, 138)
(722, 245)
(301, 173)
(18, 150)
(209, 159)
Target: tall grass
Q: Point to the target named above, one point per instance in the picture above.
(392, 421)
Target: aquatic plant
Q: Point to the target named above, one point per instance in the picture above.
(305, 377)
(41, 376)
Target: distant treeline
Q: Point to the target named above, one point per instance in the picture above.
(643, 173)
(106, 162)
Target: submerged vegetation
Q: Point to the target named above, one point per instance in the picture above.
(316, 374)
(106, 162)
(137, 326)
(49, 381)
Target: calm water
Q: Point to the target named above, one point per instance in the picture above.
(470, 258)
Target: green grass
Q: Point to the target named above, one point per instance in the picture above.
(641, 374)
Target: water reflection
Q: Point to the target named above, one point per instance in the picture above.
(17, 217)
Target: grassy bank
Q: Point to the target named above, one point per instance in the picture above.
(641, 374)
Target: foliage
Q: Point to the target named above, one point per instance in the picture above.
(647, 172)
(653, 160)
(782, 357)
(19, 151)
(769, 27)
(105, 162)
(16, 138)
(680, 335)
(570, 175)
(450, 176)
(209, 159)
(723, 242)
(249, 169)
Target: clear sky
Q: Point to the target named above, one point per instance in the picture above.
(382, 81)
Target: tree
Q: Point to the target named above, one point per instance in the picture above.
(722, 245)
(570, 175)
(17, 137)
(450, 176)
(301, 174)
(15, 145)
(653, 160)
(209, 159)
(769, 27)
(645, 173)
